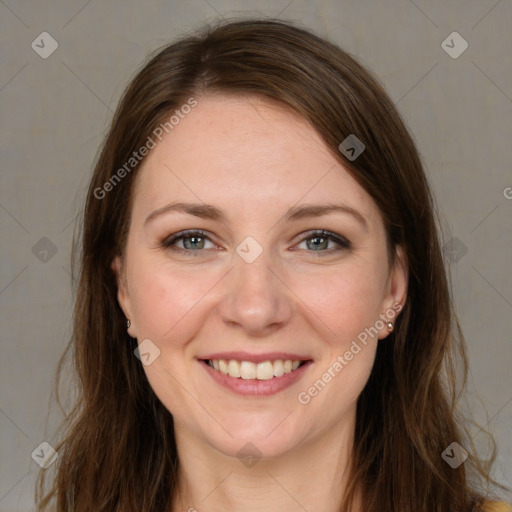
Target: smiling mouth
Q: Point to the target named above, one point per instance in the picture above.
(265, 370)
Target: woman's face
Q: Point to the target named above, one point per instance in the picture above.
(258, 285)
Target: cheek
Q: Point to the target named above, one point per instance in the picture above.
(153, 303)
(346, 300)
(162, 297)
(348, 303)
(165, 305)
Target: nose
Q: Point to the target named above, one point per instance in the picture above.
(256, 299)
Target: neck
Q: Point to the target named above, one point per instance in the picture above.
(312, 477)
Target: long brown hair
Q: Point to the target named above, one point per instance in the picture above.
(406, 413)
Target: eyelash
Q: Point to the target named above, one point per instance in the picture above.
(341, 241)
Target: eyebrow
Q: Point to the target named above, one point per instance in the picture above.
(207, 211)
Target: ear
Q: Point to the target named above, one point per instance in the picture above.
(123, 297)
(396, 295)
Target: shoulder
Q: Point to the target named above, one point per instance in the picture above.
(496, 506)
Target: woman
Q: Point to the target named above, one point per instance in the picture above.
(263, 319)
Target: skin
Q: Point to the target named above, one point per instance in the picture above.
(254, 160)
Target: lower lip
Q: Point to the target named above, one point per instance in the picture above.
(255, 387)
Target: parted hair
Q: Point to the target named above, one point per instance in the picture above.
(116, 446)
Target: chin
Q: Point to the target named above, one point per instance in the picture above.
(258, 440)
(255, 446)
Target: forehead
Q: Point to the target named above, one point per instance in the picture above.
(245, 153)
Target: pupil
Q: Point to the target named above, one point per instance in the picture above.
(320, 244)
(191, 241)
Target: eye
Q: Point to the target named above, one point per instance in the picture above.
(192, 241)
(318, 241)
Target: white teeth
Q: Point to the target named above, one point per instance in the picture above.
(248, 370)
(265, 371)
(234, 368)
(278, 368)
(223, 366)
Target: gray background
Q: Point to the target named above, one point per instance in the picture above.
(55, 111)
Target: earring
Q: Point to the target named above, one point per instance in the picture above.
(128, 323)
(390, 326)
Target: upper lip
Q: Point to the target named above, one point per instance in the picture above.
(255, 358)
